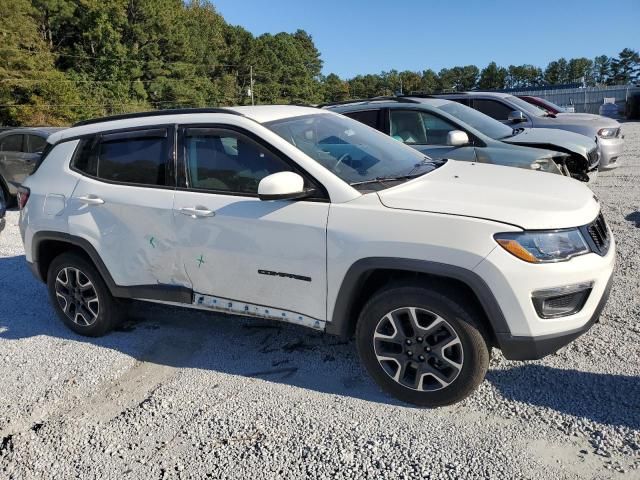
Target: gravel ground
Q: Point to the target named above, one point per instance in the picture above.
(183, 394)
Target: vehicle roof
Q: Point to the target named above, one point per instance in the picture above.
(387, 102)
(476, 94)
(259, 113)
(45, 131)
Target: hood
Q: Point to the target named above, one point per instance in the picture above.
(549, 138)
(589, 117)
(528, 199)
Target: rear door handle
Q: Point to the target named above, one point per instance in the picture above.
(91, 200)
(195, 212)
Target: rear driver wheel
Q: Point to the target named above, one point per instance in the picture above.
(80, 297)
(422, 346)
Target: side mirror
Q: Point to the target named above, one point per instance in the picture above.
(457, 138)
(282, 186)
(516, 117)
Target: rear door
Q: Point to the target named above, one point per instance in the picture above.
(123, 204)
(264, 258)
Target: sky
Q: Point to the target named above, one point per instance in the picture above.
(359, 37)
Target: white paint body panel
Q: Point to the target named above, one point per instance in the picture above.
(248, 235)
(528, 199)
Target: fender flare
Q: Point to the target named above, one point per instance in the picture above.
(358, 272)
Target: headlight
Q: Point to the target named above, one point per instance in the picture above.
(545, 165)
(544, 246)
(607, 132)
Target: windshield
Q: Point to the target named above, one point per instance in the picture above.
(354, 152)
(483, 123)
(557, 108)
(527, 107)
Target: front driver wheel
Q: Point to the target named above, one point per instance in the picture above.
(80, 297)
(422, 346)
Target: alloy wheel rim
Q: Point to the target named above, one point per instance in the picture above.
(77, 296)
(418, 349)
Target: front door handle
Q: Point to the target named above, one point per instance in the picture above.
(91, 200)
(195, 212)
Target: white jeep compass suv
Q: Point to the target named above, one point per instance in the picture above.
(305, 216)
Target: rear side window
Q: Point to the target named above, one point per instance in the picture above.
(11, 143)
(35, 144)
(138, 157)
(368, 117)
(494, 109)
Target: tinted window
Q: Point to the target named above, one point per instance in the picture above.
(128, 157)
(227, 161)
(368, 117)
(36, 144)
(477, 120)
(12, 143)
(494, 109)
(407, 127)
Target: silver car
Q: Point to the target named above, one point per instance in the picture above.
(514, 111)
(444, 129)
(20, 150)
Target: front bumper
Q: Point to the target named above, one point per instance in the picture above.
(610, 151)
(534, 348)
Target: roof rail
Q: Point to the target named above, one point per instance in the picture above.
(401, 99)
(156, 113)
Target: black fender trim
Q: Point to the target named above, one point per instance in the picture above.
(359, 271)
(165, 293)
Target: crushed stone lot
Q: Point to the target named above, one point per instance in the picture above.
(186, 394)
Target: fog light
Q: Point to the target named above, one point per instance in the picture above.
(562, 301)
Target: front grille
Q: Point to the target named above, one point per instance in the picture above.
(593, 157)
(599, 234)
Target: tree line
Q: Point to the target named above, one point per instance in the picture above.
(67, 60)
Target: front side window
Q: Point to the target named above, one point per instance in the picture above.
(11, 143)
(226, 161)
(492, 108)
(349, 149)
(138, 157)
(407, 127)
(478, 120)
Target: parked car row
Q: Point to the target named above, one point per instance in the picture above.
(304, 215)
(445, 129)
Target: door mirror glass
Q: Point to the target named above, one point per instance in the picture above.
(516, 117)
(282, 186)
(457, 138)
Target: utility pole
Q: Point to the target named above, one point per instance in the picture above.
(251, 83)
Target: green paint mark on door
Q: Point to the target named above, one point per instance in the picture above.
(200, 261)
(151, 240)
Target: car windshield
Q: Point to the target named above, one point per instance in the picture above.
(354, 152)
(557, 108)
(478, 120)
(527, 107)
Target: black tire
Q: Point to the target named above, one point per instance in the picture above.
(460, 319)
(102, 317)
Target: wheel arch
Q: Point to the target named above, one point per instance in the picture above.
(368, 275)
(47, 245)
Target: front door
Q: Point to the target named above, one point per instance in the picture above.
(244, 255)
(427, 133)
